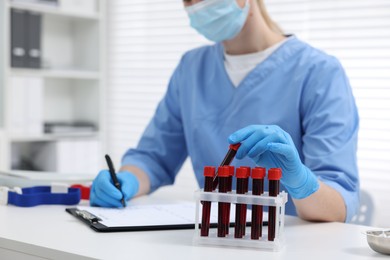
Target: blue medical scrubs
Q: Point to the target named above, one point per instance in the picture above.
(299, 88)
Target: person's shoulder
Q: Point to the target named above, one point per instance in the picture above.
(202, 52)
(315, 58)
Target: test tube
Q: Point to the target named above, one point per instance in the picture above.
(208, 172)
(239, 228)
(230, 183)
(227, 160)
(223, 219)
(258, 175)
(230, 180)
(274, 176)
(246, 182)
(248, 174)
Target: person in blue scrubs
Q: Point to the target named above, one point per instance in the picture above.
(288, 104)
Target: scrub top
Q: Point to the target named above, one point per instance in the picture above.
(299, 88)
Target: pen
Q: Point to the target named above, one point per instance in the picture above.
(114, 178)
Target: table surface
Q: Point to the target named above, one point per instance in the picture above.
(49, 232)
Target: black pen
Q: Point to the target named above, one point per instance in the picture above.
(114, 178)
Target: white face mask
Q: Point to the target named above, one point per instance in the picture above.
(218, 20)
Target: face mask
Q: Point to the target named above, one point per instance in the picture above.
(218, 20)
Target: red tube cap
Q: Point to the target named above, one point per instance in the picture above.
(223, 171)
(231, 170)
(258, 173)
(242, 172)
(234, 146)
(274, 174)
(248, 170)
(209, 171)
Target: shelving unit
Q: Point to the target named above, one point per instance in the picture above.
(60, 74)
(53, 10)
(72, 79)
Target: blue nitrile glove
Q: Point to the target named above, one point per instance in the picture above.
(105, 194)
(269, 146)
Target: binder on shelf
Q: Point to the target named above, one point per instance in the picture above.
(18, 38)
(26, 106)
(25, 39)
(34, 100)
(34, 21)
(17, 109)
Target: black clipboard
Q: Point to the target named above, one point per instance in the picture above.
(93, 222)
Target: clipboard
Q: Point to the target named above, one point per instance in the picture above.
(145, 217)
(94, 223)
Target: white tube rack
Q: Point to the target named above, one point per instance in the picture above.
(263, 200)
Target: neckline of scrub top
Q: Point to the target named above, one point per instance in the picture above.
(239, 66)
(284, 52)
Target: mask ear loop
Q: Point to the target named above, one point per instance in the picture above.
(246, 6)
(244, 9)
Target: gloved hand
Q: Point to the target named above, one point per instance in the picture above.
(269, 146)
(105, 194)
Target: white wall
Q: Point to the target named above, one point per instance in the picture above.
(147, 38)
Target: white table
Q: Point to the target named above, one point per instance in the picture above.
(48, 232)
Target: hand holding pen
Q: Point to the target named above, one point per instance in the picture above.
(114, 178)
(104, 191)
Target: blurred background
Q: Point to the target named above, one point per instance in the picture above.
(79, 79)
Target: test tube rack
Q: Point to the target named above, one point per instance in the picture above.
(278, 202)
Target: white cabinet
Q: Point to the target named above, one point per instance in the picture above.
(67, 89)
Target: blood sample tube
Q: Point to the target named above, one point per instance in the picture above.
(208, 172)
(223, 219)
(231, 175)
(246, 182)
(230, 183)
(227, 160)
(274, 176)
(239, 228)
(248, 173)
(258, 175)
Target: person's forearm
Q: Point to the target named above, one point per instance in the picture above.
(326, 204)
(144, 182)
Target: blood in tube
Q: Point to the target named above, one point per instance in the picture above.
(226, 161)
(258, 175)
(231, 175)
(248, 173)
(246, 182)
(208, 172)
(230, 183)
(274, 176)
(240, 223)
(223, 219)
